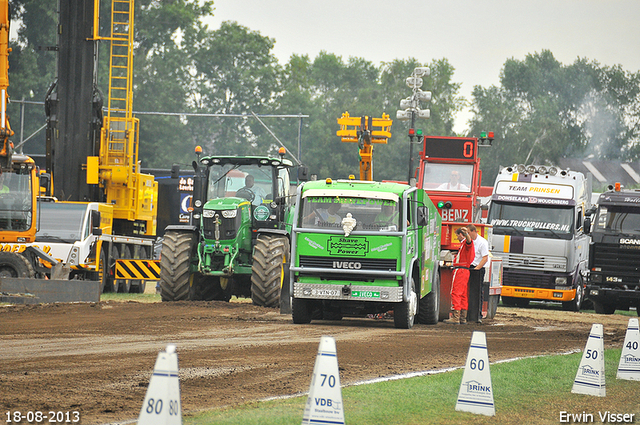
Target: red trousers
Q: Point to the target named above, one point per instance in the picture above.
(459, 289)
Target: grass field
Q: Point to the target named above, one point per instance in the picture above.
(528, 391)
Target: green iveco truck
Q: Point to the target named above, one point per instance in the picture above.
(360, 248)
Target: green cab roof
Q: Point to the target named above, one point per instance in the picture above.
(354, 188)
(245, 160)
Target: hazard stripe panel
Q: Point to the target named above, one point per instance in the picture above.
(138, 269)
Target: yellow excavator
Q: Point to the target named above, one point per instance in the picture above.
(365, 131)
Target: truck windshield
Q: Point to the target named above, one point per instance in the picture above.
(251, 182)
(60, 222)
(447, 177)
(379, 215)
(15, 201)
(531, 220)
(614, 219)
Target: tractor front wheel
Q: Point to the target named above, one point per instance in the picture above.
(174, 265)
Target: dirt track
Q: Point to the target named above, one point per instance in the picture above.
(98, 358)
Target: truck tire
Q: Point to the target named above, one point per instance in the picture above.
(429, 306)
(270, 258)
(405, 312)
(492, 306)
(174, 265)
(603, 308)
(301, 310)
(15, 265)
(138, 286)
(105, 277)
(576, 303)
(510, 301)
(124, 285)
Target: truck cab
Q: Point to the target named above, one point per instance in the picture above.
(614, 253)
(537, 215)
(18, 192)
(364, 248)
(449, 172)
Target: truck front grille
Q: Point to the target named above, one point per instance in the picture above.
(532, 262)
(530, 280)
(335, 263)
(612, 260)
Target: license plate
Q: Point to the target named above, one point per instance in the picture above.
(365, 294)
(327, 292)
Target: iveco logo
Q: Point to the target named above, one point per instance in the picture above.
(347, 265)
(630, 241)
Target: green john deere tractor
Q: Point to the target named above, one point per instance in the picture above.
(238, 242)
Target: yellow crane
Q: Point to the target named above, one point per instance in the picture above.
(116, 169)
(365, 131)
(5, 129)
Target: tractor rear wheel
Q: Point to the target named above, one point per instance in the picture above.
(270, 260)
(174, 265)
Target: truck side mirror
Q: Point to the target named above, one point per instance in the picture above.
(587, 225)
(175, 171)
(95, 223)
(423, 216)
(45, 182)
(303, 173)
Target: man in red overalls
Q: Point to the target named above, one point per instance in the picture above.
(466, 254)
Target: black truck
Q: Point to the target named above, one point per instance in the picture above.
(613, 281)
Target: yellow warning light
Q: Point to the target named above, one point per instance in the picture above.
(328, 181)
(198, 149)
(352, 177)
(282, 151)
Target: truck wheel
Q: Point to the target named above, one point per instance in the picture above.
(429, 307)
(106, 279)
(174, 265)
(510, 301)
(492, 306)
(139, 285)
(405, 312)
(576, 304)
(15, 265)
(270, 258)
(124, 285)
(301, 310)
(603, 308)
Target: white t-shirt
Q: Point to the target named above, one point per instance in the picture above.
(481, 246)
(448, 186)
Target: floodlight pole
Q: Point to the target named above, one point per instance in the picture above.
(413, 123)
(412, 105)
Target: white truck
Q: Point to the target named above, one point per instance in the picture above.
(537, 214)
(77, 235)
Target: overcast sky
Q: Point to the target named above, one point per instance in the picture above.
(476, 36)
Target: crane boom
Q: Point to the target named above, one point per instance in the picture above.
(365, 131)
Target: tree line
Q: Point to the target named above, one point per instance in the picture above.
(542, 110)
